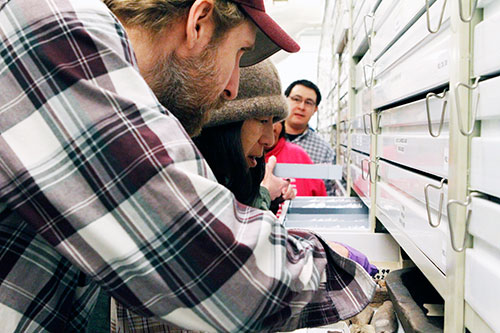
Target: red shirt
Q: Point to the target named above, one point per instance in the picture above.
(287, 152)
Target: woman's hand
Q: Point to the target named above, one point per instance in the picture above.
(275, 185)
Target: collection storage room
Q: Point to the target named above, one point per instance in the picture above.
(308, 166)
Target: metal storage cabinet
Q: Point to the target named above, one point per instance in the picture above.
(421, 135)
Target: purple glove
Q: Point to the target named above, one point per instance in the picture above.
(361, 259)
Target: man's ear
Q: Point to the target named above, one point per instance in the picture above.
(199, 25)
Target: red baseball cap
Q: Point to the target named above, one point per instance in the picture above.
(270, 37)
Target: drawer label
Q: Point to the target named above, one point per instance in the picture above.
(442, 64)
(401, 141)
(402, 216)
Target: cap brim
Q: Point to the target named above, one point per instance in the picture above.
(269, 40)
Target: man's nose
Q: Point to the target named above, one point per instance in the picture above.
(231, 89)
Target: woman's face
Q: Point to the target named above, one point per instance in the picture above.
(277, 127)
(256, 135)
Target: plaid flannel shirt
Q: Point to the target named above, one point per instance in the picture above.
(319, 151)
(101, 187)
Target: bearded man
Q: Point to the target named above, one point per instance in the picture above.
(100, 185)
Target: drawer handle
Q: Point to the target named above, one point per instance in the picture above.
(373, 179)
(346, 128)
(368, 34)
(462, 17)
(441, 122)
(371, 76)
(347, 158)
(373, 130)
(427, 12)
(369, 170)
(465, 204)
(365, 128)
(474, 112)
(365, 177)
(427, 206)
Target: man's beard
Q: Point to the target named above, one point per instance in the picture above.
(187, 87)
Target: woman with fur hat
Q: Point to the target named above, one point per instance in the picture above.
(235, 139)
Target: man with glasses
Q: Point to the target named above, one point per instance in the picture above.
(303, 99)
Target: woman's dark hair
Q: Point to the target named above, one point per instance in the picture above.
(283, 130)
(221, 146)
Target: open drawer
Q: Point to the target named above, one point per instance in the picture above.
(325, 214)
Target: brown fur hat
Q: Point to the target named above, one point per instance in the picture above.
(259, 95)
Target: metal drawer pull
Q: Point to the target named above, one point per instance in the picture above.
(427, 12)
(465, 204)
(467, 19)
(346, 128)
(372, 127)
(474, 112)
(371, 77)
(441, 122)
(374, 178)
(368, 34)
(369, 169)
(427, 206)
(340, 125)
(347, 158)
(363, 169)
(365, 128)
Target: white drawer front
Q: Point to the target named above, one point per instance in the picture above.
(357, 124)
(482, 281)
(415, 114)
(362, 102)
(342, 160)
(360, 20)
(412, 184)
(363, 72)
(359, 11)
(410, 217)
(425, 68)
(383, 11)
(361, 142)
(485, 224)
(343, 138)
(485, 159)
(414, 38)
(486, 50)
(419, 151)
(491, 8)
(489, 100)
(403, 14)
(482, 270)
(360, 185)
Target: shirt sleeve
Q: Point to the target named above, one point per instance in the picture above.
(263, 201)
(329, 158)
(110, 179)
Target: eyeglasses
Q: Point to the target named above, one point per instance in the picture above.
(298, 100)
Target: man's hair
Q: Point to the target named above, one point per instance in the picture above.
(305, 83)
(156, 15)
